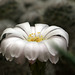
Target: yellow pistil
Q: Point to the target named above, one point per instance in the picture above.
(32, 37)
(38, 32)
(34, 33)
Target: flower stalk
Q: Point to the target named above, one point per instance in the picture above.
(38, 68)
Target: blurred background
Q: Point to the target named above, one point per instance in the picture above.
(52, 12)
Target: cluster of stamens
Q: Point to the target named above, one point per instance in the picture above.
(33, 37)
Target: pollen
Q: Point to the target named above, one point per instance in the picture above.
(38, 32)
(32, 37)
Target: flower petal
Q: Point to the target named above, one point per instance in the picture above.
(17, 48)
(54, 31)
(48, 30)
(11, 31)
(21, 32)
(54, 59)
(33, 31)
(40, 27)
(59, 32)
(6, 42)
(31, 50)
(4, 47)
(8, 55)
(44, 53)
(59, 41)
(12, 47)
(25, 27)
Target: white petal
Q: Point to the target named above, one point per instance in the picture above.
(12, 47)
(54, 59)
(13, 32)
(40, 27)
(31, 50)
(59, 41)
(21, 32)
(25, 27)
(5, 50)
(48, 30)
(44, 53)
(6, 42)
(54, 30)
(33, 30)
(50, 49)
(59, 32)
(8, 55)
(17, 48)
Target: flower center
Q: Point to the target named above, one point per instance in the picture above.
(32, 37)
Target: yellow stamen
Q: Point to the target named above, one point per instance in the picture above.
(38, 32)
(32, 33)
(41, 36)
(29, 35)
(35, 38)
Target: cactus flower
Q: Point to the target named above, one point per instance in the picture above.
(33, 42)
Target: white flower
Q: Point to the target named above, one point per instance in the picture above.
(32, 42)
